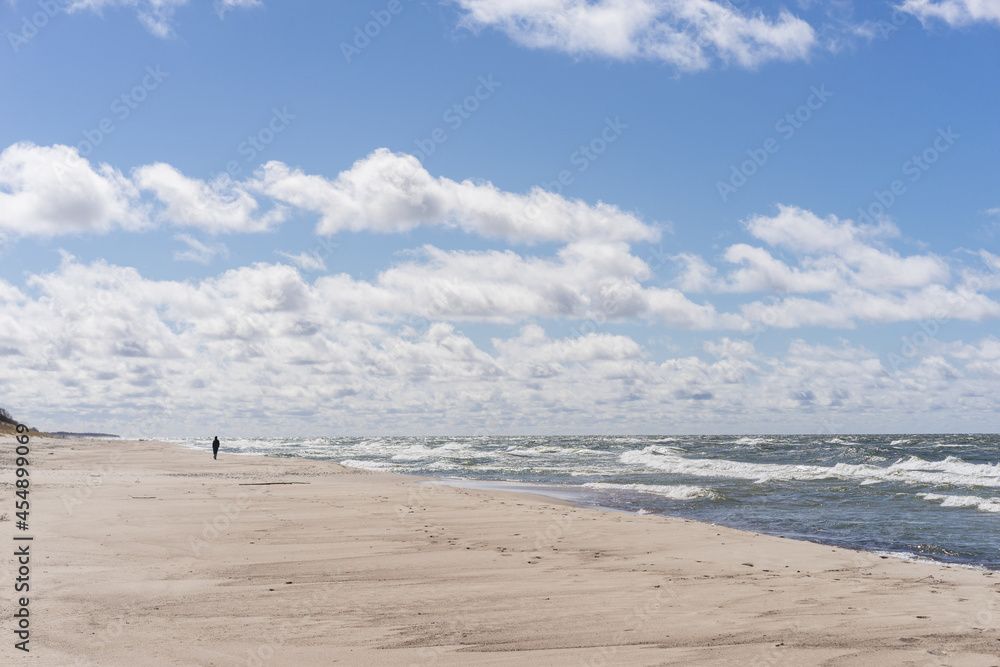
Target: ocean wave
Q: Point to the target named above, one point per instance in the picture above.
(916, 558)
(548, 450)
(674, 492)
(913, 470)
(752, 440)
(451, 450)
(378, 466)
(981, 504)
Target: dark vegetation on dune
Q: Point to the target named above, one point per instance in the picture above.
(5, 418)
(8, 424)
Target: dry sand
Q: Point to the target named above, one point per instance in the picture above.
(145, 553)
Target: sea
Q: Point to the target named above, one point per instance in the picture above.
(920, 497)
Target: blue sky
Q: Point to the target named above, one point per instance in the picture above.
(532, 216)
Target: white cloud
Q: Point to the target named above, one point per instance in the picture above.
(533, 354)
(847, 307)
(593, 277)
(52, 190)
(197, 251)
(307, 261)
(47, 191)
(260, 349)
(730, 349)
(688, 34)
(954, 12)
(220, 206)
(585, 281)
(760, 272)
(675, 309)
(838, 248)
(156, 15)
(696, 275)
(228, 5)
(863, 281)
(392, 192)
(804, 231)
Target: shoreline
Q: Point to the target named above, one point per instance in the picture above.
(153, 553)
(585, 498)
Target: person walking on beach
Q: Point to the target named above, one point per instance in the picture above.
(215, 448)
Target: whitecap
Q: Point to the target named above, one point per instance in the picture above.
(674, 492)
(981, 504)
(913, 470)
(749, 440)
(379, 466)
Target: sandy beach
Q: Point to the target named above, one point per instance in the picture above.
(145, 553)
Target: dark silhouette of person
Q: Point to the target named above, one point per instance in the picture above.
(215, 448)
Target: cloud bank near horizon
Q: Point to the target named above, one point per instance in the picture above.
(262, 340)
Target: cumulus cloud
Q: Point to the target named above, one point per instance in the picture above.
(220, 206)
(863, 280)
(51, 190)
(953, 12)
(392, 192)
(688, 34)
(804, 231)
(843, 247)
